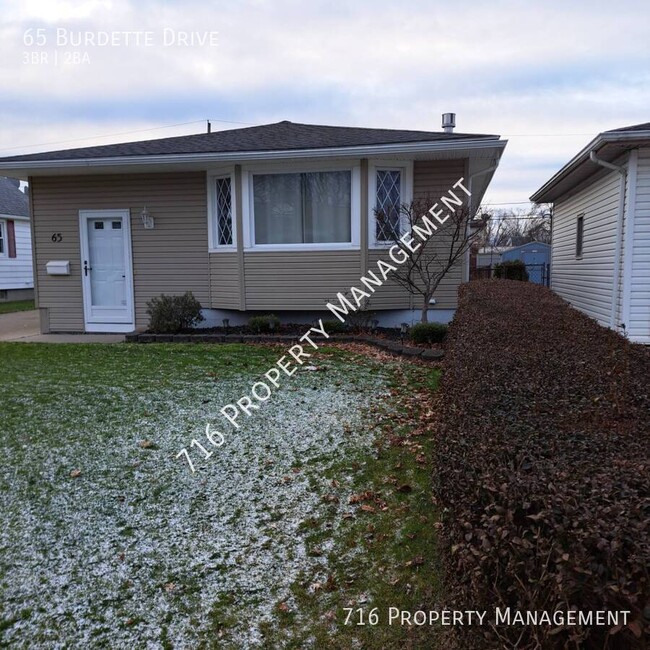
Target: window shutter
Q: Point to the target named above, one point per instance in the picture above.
(11, 238)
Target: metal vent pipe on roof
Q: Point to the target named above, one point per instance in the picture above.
(448, 122)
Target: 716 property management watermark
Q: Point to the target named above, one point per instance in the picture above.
(63, 46)
(262, 390)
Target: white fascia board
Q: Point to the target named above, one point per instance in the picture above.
(583, 155)
(14, 217)
(32, 167)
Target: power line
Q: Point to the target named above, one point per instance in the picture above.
(113, 135)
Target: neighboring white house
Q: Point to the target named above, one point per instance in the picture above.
(16, 271)
(601, 230)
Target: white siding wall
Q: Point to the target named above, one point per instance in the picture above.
(587, 283)
(639, 317)
(17, 272)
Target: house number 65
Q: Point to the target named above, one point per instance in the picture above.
(57, 237)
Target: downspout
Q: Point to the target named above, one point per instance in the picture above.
(470, 178)
(619, 233)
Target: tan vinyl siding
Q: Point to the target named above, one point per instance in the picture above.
(301, 280)
(587, 283)
(224, 280)
(171, 258)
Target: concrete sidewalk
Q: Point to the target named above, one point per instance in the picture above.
(24, 327)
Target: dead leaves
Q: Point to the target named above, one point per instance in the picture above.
(75, 473)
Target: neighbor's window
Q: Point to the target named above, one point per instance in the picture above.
(3, 239)
(223, 211)
(303, 208)
(580, 230)
(389, 201)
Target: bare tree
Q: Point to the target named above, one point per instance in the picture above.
(517, 227)
(424, 269)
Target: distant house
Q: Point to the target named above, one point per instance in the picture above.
(275, 218)
(489, 255)
(535, 255)
(601, 230)
(16, 273)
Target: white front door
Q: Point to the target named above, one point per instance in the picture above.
(106, 273)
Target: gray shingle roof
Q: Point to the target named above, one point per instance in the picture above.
(635, 127)
(12, 201)
(281, 136)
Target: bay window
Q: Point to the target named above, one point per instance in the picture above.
(312, 207)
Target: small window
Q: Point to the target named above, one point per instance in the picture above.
(388, 207)
(223, 211)
(580, 230)
(3, 238)
(99, 225)
(116, 225)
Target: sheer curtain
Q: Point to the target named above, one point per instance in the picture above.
(312, 207)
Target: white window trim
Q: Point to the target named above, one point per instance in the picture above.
(212, 177)
(5, 244)
(249, 218)
(406, 194)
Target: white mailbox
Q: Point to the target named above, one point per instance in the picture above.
(58, 267)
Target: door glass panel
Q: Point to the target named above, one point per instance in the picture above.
(107, 264)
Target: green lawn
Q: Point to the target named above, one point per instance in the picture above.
(320, 502)
(16, 305)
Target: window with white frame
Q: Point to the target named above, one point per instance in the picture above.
(311, 207)
(3, 239)
(390, 189)
(222, 224)
(388, 207)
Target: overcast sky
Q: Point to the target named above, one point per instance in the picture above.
(548, 76)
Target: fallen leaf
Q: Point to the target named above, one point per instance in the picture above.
(75, 473)
(146, 444)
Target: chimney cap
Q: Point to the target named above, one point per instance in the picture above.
(448, 122)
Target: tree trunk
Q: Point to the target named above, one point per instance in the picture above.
(425, 311)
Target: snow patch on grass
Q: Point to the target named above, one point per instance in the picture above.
(137, 551)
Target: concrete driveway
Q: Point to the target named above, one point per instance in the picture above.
(24, 327)
(19, 325)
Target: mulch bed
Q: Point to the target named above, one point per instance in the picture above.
(393, 346)
(543, 469)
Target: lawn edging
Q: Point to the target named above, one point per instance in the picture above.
(392, 347)
(541, 471)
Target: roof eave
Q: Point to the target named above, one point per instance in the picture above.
(544, 194)
(18, 168)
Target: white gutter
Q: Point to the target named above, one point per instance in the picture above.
(629, 240)
(582, 155)
(619, 233)
(243, 156)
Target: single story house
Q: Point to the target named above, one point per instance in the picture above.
(600, 259)
(16, 271)
(274, 218)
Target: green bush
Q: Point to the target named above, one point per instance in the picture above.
(264, 324)
(172, 314)
(428, 333)
(511, 270)
(334, 326)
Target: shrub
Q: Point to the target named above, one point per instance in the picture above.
(334, 326)
(542, 469)
(264, 324)
(428, 333)
(171, 314)
(511, 270)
